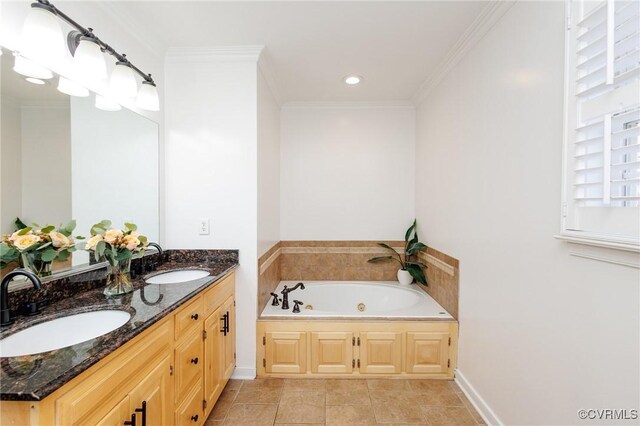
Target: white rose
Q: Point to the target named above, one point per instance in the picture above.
(59, 240)
(131, 242)
(93, 242)
(112, 235)
(23, 242)
(17, 235)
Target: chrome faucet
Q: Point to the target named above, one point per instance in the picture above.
(285, 294)
(157, 247)
(5, 315)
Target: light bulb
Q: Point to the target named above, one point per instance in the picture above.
(35, 81)
(89, 62)
(106, 104)
(123, 82)
(352, 80)
(71, 88)
(148, 97)
(29, 68)
(42, 39)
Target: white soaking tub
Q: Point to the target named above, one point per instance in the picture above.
(357, 299)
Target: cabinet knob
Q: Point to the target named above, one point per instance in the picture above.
(194, 360)
(194, 418)
(195, 317)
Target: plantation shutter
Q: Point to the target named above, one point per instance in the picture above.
(603, 118)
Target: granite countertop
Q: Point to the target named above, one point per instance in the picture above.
(33, 377)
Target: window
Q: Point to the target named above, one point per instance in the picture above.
(601, 192)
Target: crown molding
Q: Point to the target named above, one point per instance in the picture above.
(214, 54)
(266, 67)
(119, 15)
(350, 105)
(487, 18)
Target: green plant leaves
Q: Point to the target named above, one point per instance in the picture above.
(379, 259)
(123, 254)
(415, 248)
(132, 227)
(417, 273)
(68, 228)
(19, 224)
(99, 251)
(48, 255)
(410, 230)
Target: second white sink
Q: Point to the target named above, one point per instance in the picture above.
(177, 277)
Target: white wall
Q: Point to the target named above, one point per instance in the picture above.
(10, 165)
(268, 167)
(211, 171)
(347, 172)
(542, 333)
(46, 163)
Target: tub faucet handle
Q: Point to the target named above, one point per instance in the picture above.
(275, 301)
(296, 306)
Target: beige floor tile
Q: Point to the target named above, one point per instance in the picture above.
(220, 410)
(397, 411)
(348, 397)
(388, 385)
(302, 397)
(471, 409)
(258, 396)
(262, 384)
(346, 415)
(251, 415)
(234, 384)
(228, 394)
(397, 396)
(300, 413)
(210, 422)
(446, 398)
(305, 384)
(448, 416)
(430, 385)
(346, 384)
(455, 387)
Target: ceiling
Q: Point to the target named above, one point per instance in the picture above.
(312, 45)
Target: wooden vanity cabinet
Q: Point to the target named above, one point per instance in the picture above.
(178, 368)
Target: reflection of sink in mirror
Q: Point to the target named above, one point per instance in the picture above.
(83, 163)
(177, 277)
(62, 332)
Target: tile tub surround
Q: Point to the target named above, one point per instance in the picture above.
(347, 261)
(343, 402)
(33, 377)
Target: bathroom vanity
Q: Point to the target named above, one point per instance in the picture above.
(167, 366)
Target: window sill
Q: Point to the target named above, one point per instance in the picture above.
(619, 252)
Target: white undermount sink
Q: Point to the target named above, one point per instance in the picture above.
(62, 332)
(177, 277)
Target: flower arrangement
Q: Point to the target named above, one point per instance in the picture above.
(118, 247)
(37, 247)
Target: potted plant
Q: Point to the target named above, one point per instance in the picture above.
(36, 248)
(409, 268)
(117, 247)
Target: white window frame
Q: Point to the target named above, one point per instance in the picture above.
(619, 249)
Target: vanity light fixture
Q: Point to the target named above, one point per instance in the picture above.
(40, 36)
(352, 80)
(35, 81)
(106, 104)
(72, 88)
(28, 68)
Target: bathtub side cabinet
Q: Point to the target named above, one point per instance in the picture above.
(357, 348)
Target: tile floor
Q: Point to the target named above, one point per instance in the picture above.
(342, 402)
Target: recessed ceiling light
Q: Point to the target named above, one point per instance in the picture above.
(352, 80)
(34, 80)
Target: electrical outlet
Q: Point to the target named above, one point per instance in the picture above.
(204, 226)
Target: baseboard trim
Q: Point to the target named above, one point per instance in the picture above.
(244, 373)
(477, 401)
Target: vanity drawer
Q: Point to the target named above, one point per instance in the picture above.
(190, 412)
(214, 297)
(189, 362)
(189, 318)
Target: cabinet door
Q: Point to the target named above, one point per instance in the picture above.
(427, 352)
(213, 367)
(285, 352)
(155, 389)
(190, 412)
(188, 362)
(332, 352)
(118, 414)
(380, 352)
(229, 351)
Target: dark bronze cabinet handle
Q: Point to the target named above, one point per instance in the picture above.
(132, 422)
(226, 323)
(194, 361)
(194, 317)
(143, 410)
(194, 418)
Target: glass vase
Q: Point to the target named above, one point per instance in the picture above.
(37, 266)
(118, 278)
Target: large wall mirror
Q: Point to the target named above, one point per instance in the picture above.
(61, 158)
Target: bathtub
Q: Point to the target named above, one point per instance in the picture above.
(358, 299)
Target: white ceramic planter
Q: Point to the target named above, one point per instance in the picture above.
(404, 277)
